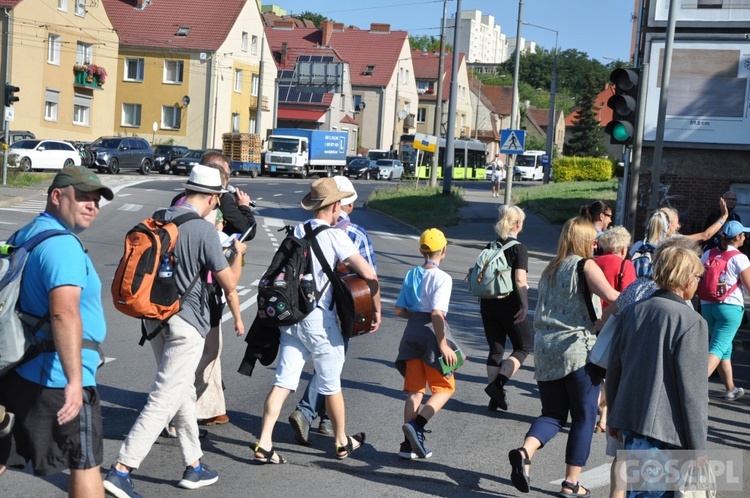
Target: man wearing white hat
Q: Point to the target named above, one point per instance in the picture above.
(319, 334)
(311, 405)
(178, 346)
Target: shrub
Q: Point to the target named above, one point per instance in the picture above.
(573, 169)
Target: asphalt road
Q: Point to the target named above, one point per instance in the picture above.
(470, 444)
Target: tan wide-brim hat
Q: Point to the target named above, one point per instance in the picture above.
(323, 192)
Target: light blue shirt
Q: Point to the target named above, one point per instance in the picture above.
(60, 261)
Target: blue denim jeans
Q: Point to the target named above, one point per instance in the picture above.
(576, 394)
(312, 403)
(633, 441)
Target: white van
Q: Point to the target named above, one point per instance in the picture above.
(528, 166)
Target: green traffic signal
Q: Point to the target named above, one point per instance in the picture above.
(621, 131)
(623, 105)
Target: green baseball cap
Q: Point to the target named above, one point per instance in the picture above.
(81, 178)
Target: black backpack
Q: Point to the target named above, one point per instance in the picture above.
(281, 297)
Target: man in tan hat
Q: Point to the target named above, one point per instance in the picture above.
(54, 395)
(319, 335)
(178, 347)
(312, 405)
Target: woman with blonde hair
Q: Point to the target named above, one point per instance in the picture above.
(564, 337)
(505, 316)
(656, 381)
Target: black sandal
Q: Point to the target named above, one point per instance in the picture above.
(349, 448)
(574, 488)
(267, 455)
(519, 459)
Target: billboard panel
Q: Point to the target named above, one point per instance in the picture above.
(709, 93)
(704, 10)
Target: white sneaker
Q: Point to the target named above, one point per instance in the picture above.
(736, 394)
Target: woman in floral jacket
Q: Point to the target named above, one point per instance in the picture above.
(564, 336)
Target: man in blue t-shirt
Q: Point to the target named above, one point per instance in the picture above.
(54, 396)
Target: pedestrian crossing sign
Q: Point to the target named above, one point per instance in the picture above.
(512, 141)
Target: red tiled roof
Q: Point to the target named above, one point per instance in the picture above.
(299, 41)
(361, 48)
(270, 17)
(357, 47)
(155, 26)
(9, 4)
(541, 116)
(301, 114)
(426, 66)
(603, 114)
(501, 98)
(478, 89)
(349, 120)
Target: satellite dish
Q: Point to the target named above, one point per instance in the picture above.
(402, 114)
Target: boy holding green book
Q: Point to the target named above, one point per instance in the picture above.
(426, 342)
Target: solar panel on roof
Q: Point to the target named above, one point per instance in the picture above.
(317, 98)
(303, 58)
(315, 58)
(327, 58)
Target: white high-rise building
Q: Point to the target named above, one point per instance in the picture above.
(479, 38)
(526, 46)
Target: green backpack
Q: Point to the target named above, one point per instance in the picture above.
(491, 276)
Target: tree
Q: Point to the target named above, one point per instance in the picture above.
(588, 138)
(427, 43)
(317, 19)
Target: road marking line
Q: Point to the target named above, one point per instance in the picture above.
(277, 195)
(274, 222)
(130, 207)
(244, 291)
(251, 301)
(598, 477)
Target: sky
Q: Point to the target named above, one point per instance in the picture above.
(601, 28)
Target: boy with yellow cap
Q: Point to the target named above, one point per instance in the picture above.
(423, 301)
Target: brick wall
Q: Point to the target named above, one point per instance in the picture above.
(692, 181)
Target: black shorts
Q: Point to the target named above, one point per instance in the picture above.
(39, 439)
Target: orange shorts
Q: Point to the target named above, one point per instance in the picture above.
(418, 374)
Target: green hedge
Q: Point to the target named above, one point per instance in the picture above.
(574, 169)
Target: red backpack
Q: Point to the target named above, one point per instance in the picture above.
(712, 286)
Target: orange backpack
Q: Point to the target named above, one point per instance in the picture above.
(139, 289)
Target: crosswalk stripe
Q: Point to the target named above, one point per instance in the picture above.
(598, 477)
(130, 207)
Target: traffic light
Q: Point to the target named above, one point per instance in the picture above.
(623, 105)
(10, 94)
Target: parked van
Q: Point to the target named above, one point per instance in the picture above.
(528, 166)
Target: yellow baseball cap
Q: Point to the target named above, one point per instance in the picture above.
(432, 240)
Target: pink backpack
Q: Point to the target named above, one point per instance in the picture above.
(713, 286)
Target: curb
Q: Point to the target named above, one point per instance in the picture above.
(11, 201)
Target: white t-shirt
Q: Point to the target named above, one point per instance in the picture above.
(432, 287)
(498, 173)
(736, 265)
(336, 246)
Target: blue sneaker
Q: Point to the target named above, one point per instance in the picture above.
(194, 479)
(415, 435)
(121, 487)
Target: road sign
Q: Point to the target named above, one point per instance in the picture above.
(512, 141)
(10, 114)
(425, 142)
(545, 160)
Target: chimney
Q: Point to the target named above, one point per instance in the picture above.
(338, 26)
(327, 28)
(141, 4)
(380, 28)
(283, 52)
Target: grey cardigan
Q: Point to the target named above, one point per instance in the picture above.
(656, 381)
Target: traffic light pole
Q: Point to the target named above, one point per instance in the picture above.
(634, 176)
(661, 117)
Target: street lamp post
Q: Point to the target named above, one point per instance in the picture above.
(553, 88)
(514, 121)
